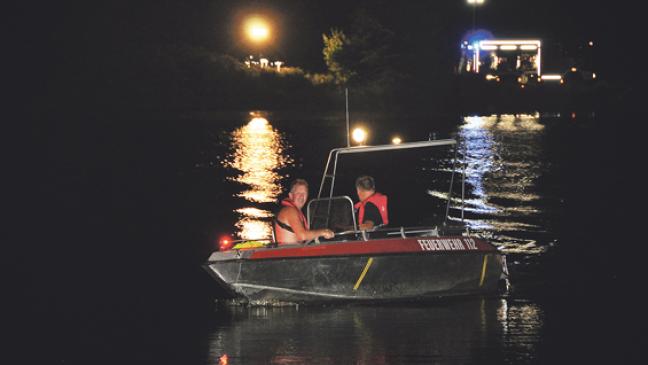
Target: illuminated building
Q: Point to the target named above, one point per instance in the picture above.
(521, 58)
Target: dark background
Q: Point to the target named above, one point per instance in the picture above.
(72, 51)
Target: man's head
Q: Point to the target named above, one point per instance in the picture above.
(365, 187)
(298, 192)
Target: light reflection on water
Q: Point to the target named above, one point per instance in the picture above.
(501, 155)
(258, 152)
(454, 331)
(498, 151)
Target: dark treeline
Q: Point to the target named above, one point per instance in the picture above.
(174, 56)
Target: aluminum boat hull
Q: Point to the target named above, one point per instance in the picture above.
(374, 270)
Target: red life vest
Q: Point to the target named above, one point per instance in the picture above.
(289, 203)
(380, 201)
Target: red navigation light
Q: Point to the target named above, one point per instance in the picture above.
(225, 243)
(223, 360)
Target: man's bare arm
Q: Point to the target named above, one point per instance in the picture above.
(303, 234)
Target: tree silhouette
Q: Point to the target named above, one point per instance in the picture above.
(364, 58)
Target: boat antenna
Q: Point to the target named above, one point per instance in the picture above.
(346, 99)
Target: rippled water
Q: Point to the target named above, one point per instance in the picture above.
(257, 154)
(458, 331)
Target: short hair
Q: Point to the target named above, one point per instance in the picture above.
(365, 182)
(297, 182)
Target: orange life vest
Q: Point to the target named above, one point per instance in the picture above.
(380, 201)
(289, 203)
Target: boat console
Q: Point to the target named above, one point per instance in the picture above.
(337, 214)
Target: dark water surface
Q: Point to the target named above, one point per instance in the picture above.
(134, 208)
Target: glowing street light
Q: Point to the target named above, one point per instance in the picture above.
(359, 135)
(257, 29)
(397, 140)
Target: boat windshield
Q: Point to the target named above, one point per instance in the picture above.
(333, 213)
(420, 179)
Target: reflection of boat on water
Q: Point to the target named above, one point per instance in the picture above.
(385, 264)
(447, 331)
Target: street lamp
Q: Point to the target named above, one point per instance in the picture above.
(257, 31)
(474, 4)
(359, 135)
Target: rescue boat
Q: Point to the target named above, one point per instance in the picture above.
(384, 264)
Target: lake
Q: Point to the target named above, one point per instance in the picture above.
(149, 197)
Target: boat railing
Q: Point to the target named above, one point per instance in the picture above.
(330, 170)
(396, 232)
(331, 164)
(382, 232)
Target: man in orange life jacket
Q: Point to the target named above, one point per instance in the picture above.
(372, 207)
(291, 225)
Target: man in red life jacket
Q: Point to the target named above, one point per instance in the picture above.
(291, 225)
(372, 207)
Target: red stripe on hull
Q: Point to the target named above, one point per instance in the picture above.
(378, 247)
